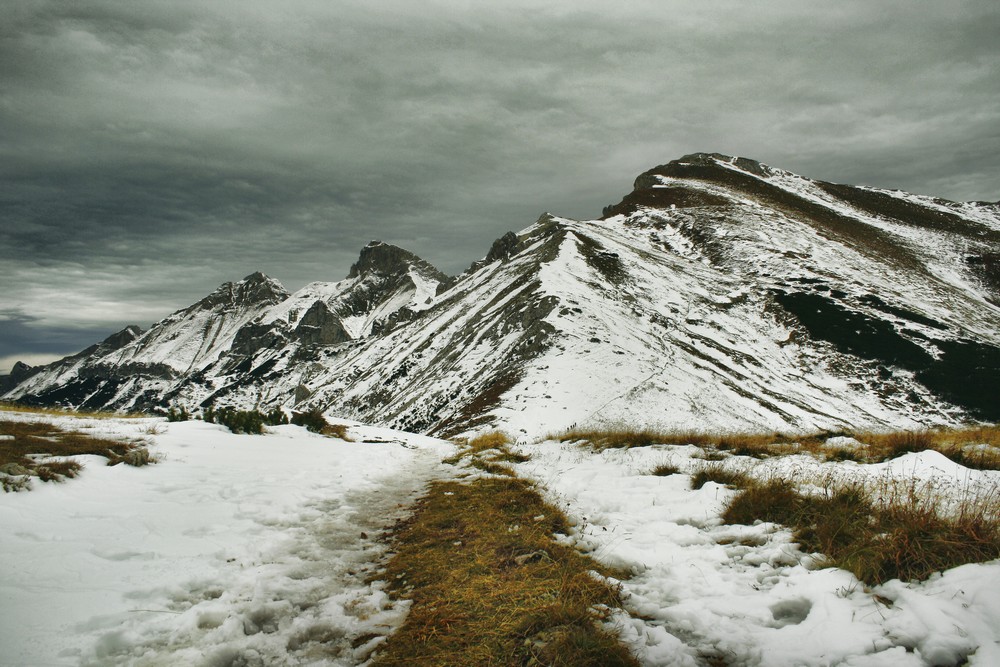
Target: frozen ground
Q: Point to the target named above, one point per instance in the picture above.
(253, 550)
(746, 595)
(233, 550)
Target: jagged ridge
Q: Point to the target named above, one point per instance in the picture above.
(720, 293)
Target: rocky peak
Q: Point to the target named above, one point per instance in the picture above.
(503, 248)
(388, 260)
(696, 164)
(713, 159)
(118, 340)
(20, 372)
(256, 289)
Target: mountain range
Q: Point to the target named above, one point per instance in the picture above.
(720, 294)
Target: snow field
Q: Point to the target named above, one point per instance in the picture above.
(233, 549)
(745, 594)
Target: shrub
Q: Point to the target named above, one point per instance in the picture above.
(241, 421)
(313, 420)
(915, 542)
(276, 417)
(175, 415)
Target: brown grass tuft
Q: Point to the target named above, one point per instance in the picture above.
(885, 446)
(665, 470)
(336, 431)
(904, 536)
(720, 474)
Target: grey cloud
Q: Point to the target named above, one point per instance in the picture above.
(191, 143)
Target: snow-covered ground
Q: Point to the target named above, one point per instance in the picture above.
(254, 550)
(233, 549)
(746, 594)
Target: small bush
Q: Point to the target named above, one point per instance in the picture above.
(913, 543)
(492, 467)
(276, 417)
(241, 421)
(175, 415)
(508, 456)
(313, 420)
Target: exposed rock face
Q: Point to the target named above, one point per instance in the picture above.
(389, 260)
(20, 372)
(321, 327)
(254, 290)
(720, 293)
(503, 248)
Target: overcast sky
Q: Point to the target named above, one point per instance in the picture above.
(151, 151)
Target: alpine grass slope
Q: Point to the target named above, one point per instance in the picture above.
(720, 294)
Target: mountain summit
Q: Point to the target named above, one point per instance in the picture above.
(720, 293)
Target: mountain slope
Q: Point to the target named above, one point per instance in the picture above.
(721, 293)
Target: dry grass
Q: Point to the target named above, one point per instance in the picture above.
(974, 447)
(665, 470)
(480, 449)
(626, 438)
(490, 586)
(67, 412)
(757, 445)
(337, 431)
(908, 536)
(32, 444)
(720, 474)
(886, 446)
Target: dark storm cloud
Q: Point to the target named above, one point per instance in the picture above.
(19, 339)
(149, 151)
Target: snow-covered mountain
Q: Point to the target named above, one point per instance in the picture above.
(719, 294)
